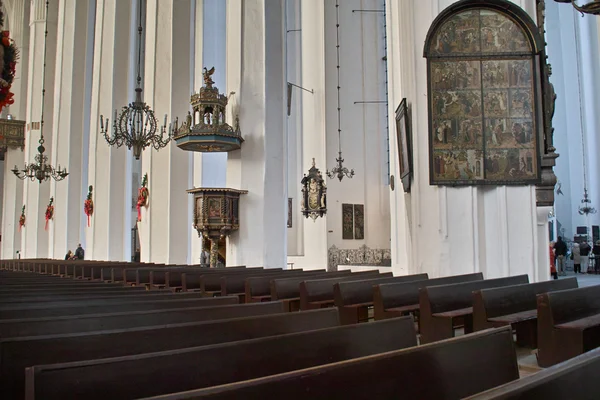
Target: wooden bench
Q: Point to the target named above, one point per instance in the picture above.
(258, 288)
(392, 300)
(572, 379)
(451, 369)
(354, 298)
(443, 308)
(104, 307)
(126, 377)
(318, 293)
(192, 281)
(18, 353)
(288, 289)
(235, 284)
(568, 324)
(210, 284)
(123, 320)
(515, 306)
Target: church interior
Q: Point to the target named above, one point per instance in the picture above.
(301, 199)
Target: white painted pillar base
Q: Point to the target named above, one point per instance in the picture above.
(255, 39)
(164, 229)
(108, 169)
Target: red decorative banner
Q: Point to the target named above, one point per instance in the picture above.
(143, 194)
(49, 212)
(22, 219)
(88, 205)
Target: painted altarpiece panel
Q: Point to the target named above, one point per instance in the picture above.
(482, 101)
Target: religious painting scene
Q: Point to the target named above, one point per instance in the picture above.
(480, 105)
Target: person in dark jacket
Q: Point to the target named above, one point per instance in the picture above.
(560, 251)
(69, 255)
(79, 252)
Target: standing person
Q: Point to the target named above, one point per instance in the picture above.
(596, 251)
(552, 262)
(79, 252)
(585, 250)
(576, 255)
(560, 249)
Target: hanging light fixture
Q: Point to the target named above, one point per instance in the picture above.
(592, 7)
(40, 170)
(586, 204)
(340, 171)
(136, 126)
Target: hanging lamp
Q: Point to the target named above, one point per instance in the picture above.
(40, 170)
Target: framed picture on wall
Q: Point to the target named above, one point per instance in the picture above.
(404, 145)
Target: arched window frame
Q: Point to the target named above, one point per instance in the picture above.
(536, 43)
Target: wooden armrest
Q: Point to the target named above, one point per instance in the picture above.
(581, 324)
(412, 307)
(454, 313)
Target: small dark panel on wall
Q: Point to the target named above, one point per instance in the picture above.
(289, 219)
(347, 221)
(595, 233)
(359, 221)
(582, 230)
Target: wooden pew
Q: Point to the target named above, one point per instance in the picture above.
(391, 300)
(123, 320)
(515, 306)
(354, 298)
(49, 289)
(235, 284)
(126, 377)
(288, 289)
(18, 353)
(572, 379)
(258, 288)
(450, 369)
(318, 293)
(442, 308)
(192, 281)
(108, 307)
(568, 324)
(96, 300)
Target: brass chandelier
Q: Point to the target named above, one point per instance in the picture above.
(136, 126)
(40, 170)
(592, 7)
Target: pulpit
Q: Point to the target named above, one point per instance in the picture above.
(216, 215)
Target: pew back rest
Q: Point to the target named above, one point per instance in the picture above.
(460, 295)
(236, 283)
(276, 354)
(573, 379)
(407, 293)
(361, 291)
(514, 299)
(289, 288)
(573, 304)
(212, 281)
(322, 289)
(463, 366)
(260, 285)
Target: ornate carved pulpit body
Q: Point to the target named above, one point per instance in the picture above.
(12, 135)
(216, 215)
(314, 194)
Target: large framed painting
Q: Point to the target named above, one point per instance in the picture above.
(403, 138)
(484, 118)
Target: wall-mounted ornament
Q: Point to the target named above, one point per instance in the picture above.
(22, 219)
(49, 212)
(9, 54)
(403, 139)
(216, 215)
(205, 128)
(143, 195)
(314, 194)
(88, 204)
(12, 135)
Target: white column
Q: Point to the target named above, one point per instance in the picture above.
(198, 45)
(165, 228)
(314, 123)
(18, 18)
(68, 132)
(260, 166)
(107, 168)
(36, 195)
